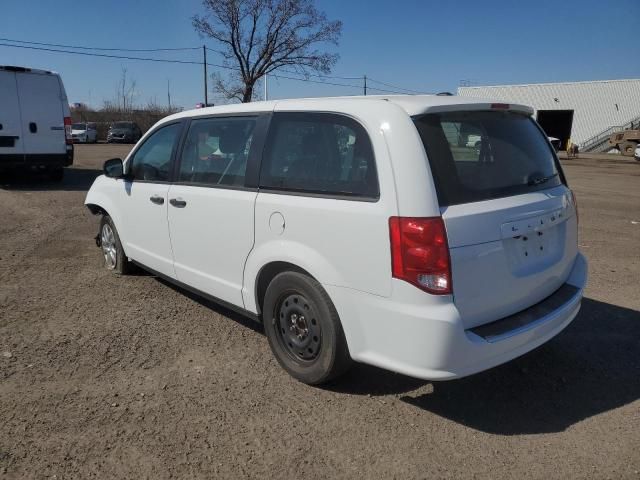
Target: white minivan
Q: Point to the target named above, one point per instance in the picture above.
(357, 229)
(35, 121)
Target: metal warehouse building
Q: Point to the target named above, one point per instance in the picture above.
(585, 112)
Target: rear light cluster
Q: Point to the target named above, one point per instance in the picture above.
(67, 130)
(420, 253)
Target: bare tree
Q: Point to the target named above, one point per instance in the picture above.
(259, 36)
(125, 92)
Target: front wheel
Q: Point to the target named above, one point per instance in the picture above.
(112, 251)
(304, 330)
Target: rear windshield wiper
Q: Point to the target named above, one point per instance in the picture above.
(541, 180)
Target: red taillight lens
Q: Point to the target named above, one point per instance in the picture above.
(500, 106)
(67, 130)
(420, 254)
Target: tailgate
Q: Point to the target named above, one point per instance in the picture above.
(508, 254)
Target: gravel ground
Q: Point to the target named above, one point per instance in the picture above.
(107, 377)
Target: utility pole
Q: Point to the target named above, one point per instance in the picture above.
(266, 89)
(204, 64)
(168, 95)
(365, 85)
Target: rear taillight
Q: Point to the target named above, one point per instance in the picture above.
(67, 130)
(420, 253)
(575, 205)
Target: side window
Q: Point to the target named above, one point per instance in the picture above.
(152, 161)
(319, 153)
(216, 151)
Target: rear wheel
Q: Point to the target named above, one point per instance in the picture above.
(304, 330)
(112, 251)
(627, 148)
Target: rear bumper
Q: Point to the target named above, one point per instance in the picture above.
(37, 160)
(430, 342)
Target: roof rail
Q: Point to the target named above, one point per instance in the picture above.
(15, 68)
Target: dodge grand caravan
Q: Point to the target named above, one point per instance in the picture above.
(369, 229)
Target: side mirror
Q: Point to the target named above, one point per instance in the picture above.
(114, 168)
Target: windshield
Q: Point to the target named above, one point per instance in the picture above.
(123, 125)
(478, 155)
(78, 126)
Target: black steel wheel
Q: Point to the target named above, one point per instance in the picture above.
(304, 330)
(298, 329)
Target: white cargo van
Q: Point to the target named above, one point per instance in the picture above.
(366, 229)
(35, 122)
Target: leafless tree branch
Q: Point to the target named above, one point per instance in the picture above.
(259, 36)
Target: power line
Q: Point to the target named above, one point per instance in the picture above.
(189, 62)
(395, 92)
(319, 75)
(87, 54)
(315, 81)
(124, 57)
(394, 86)
(99, 48)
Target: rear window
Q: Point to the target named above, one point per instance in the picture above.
(78, 126)
(123, 125)
(477, 156)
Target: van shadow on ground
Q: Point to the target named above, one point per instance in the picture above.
(593, 366)
(75, 180)
(590, 368)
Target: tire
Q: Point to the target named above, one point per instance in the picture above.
(56, 174)
(111, 247)
(627, 148)
(304, 330)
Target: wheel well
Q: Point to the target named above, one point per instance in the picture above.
(96, 209)
(268, 273)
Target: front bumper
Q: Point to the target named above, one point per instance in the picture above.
(120, 139)
(430, 341)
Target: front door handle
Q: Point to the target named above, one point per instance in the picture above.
(157, 199)
(178, 202)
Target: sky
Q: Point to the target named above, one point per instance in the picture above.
(426, 46)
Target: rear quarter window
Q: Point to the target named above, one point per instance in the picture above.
(319, 153)
(480, 155)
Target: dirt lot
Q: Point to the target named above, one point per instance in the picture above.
(104, 377)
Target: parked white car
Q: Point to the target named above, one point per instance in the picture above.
(84, 133)
(636, 153)
(354, 229)
(35, 121)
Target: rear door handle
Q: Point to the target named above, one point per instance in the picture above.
(157, 199)
(178, 202)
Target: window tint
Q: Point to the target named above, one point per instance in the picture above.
(319, 153)
(152, 161)
(480, 155)
(216, 151)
